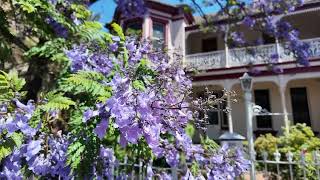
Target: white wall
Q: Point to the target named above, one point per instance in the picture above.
(178, 35)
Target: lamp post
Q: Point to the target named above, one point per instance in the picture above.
(231, 139)
(246, 85)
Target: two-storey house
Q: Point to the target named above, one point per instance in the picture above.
(294, 94)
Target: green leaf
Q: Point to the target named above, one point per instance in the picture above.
(86, 82)
(7, 147)
(118, 31)
(10, 84)
(56, 101)
(137, 84)
(74, 154)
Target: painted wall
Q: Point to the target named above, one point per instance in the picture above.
(308, 25)
(271, 83)
(178, 35)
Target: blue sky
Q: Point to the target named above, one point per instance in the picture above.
(106, 8)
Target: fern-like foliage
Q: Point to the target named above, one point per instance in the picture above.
(92, 31)
(75, 150)
(56, 101)
(52, 50)
(6, 147)
(87, 82)
(118, 30)
(10, 85)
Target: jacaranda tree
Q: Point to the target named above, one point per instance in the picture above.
(101, 95)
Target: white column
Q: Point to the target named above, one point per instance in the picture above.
(230, 123)
(228, 86)
(278, 50)
(282, 90)
(226, 50)
(146, 27)
(249, 118)
(226, 47)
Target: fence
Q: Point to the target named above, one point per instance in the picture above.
(306, 166)
(139, 171)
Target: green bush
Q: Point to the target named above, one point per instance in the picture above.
(299, 139)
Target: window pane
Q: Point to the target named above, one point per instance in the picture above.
(158, 35)
(213, 117)
(224, 114)
(262, 99)
(158, 31)
(134, 29)
(300, 108)
(209, 45)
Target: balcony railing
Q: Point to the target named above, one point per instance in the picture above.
(244, 56)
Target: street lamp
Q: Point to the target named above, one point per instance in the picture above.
(246, 82)
(231, 139)
(246, 85)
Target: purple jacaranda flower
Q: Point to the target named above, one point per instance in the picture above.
(88, 114)
(26, 129)
(29, 108)
(188, 175)
(150, 172)
(3, 108)
(277, 69)
(132, 8)
(248, 21)
(172, 157)
(39, 165)
(274, 58)
(131, 47)
(12, 166)
(101, 128)
(106, 153)
(33, 147)
(116, 38)
(131, 133)
(165, 176)
(237, 38)
(254, 71)
(113, 47)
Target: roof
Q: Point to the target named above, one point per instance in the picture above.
(227, 136)
(220, 19)
(163, 7)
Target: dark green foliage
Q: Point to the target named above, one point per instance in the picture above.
(299, 139)
(13, 141)
(86, 83)
(10, 85)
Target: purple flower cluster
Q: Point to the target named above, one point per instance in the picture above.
(44, 161)
(45, 155)
(18, 121)
(281, 29)
(132, 8)
(59, 29)
(150, 99)
(227, 164)
(107, 161)
(84, 60)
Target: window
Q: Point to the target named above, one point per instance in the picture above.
(217, 115)
(267, 39)
(209, 44)
(262, 99)
(134, 29)
(158, 35)
(224, 115)
(213, 117)
(300, 108)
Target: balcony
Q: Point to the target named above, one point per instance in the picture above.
(243, 56)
